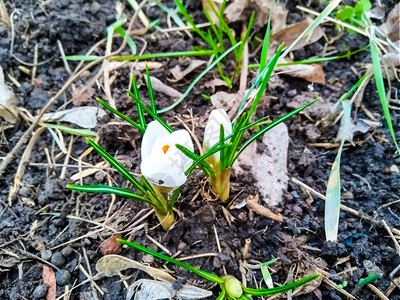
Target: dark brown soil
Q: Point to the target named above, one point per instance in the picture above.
(25, 232)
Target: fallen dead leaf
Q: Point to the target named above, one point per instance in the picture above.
(391, 26)
(83, 116)
(270, 167)
(79, 99)
(161, 87)
(288, 34)
(362, 126)
(89, 171)
(207, 7)
(112, 264)
(240, 10)
(144, 289)
(312, 73)
(179, 74)
(212, 84)
(111, 246)
(138, 66)
(8, 102)
(49, 279)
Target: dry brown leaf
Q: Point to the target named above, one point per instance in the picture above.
(312, 73)
(112, 264)
(212, 84)
(79, 99)
(207, 7)
(8, 101)
(240, 10)
(161, 87)
(144, 289)
(270, 167)
(83, 116)
(111, 246)
(289, 34)
(179, 74)
(252, 203)
(391, 26)
(49, 279)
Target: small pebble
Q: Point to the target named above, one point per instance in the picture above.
(58, 259)
(292, 93)
(182, 246)
(40, 291)
(24, 191)
(67, 251)
(297, 210)
(46, 255)
(147, 258)
(63, 277)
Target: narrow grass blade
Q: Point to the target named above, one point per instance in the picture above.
(270, 68)
(197, 79)
(105, 189)
(280, 289)
(150, 112)
(117, 165)
(151, 93)
(173, 15)
(368, 279)
(205, 275)
(148, 186)
(174, 197)
(201, 163)
(270, 126)
(208, 153)
(247, 34)
(139, 109)
(332, 203)
(74, 131)
(380, 86)
(261, 77)
(254, 123)
(58, 139)
(222, 152)
(266, 274)
(130, 42)
(264, 51)
(144, 56)
(121, 115)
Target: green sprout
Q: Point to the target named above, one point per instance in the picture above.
(231, 288)
(230, 137)
(160, 195)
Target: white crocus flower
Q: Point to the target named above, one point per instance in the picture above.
(162, 163)
(212, 131)
(221, 182)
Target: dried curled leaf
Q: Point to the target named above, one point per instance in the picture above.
(83, 116)
(144, 289)
(112, 264)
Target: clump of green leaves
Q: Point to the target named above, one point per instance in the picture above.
(355, 16)
(231, 288)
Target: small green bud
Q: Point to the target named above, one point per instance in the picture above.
(233, 286)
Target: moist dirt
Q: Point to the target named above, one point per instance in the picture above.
(42, 225)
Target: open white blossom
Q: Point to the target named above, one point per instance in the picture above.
(212, 131)
(162, 163)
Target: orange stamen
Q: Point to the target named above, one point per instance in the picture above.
(165, 148)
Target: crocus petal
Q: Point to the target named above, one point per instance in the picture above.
(153, 132)
(182, 137)
(211, 133)
(163, 172)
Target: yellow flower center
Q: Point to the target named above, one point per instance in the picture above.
(165, 148)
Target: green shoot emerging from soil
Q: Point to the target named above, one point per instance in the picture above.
(230, 137)
(162, 165)
(231, 288)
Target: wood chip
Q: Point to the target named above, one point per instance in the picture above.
(252, 203)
